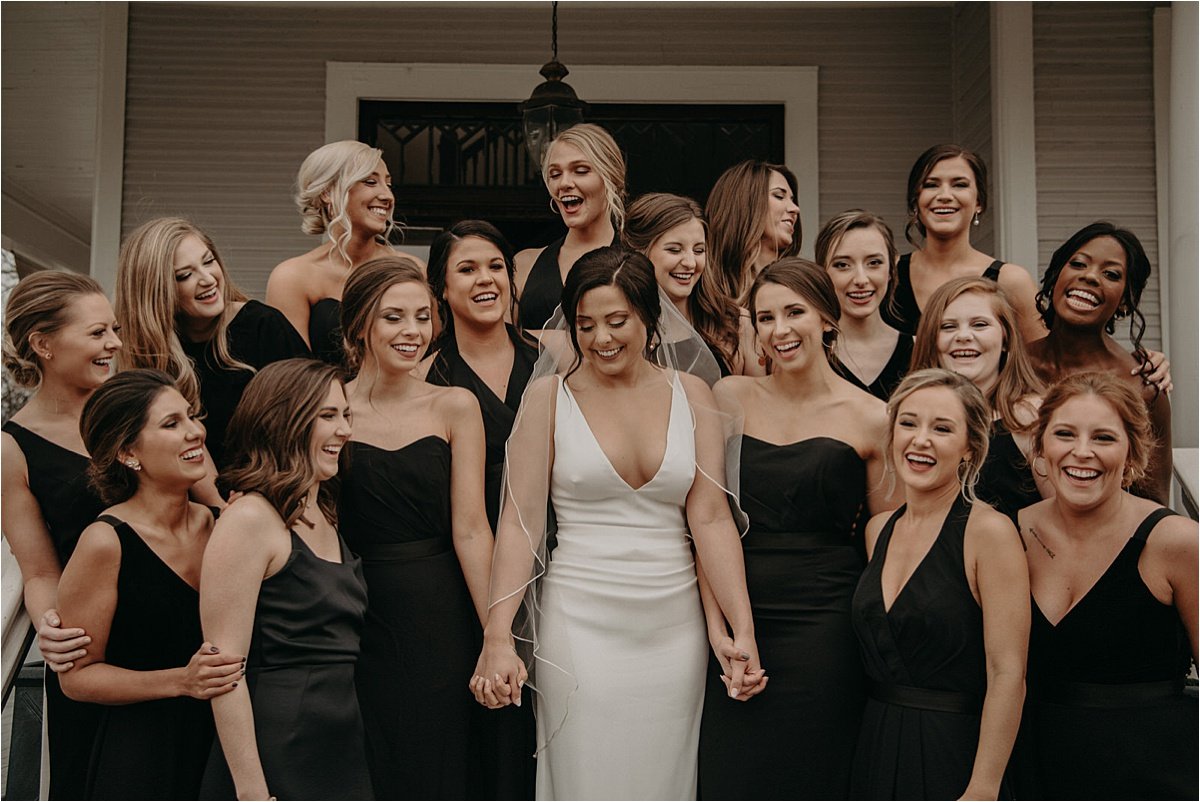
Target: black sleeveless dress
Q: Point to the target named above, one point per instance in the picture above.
(543, 287)
(325, 331)
(155, 749)
(907, 314)
(1005, 480)
(58, 480)
(300, 674)
(1105, 716)
(883, 385)
(802, 564)
(926, 672)
(422, 635)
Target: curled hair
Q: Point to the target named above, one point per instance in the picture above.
(39, 304)
(362, 295)
(976, 412)
(111, 422)
(737, 209)
(147, 304)
(439, 263)
(269, 438)
(713, 314)
(1017, 379)
(1125, 402)
(921, 169)
(323, 187)
(1137, 273)
(611, 266)
(600, 149)
(811, 283)
(836, 228)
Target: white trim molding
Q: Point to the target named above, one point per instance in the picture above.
(110, 144)
(793, 87)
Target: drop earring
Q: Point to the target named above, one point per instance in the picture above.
(976, 220)
(554, 207)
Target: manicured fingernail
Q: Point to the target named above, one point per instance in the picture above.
(213, 649)
(733, 693)
(744, 655)
(235, 684)
(518, 702)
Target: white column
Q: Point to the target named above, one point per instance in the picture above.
(1183, 211)
(110, 143)
(1014, 169)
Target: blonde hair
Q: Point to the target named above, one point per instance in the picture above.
(599, 148)
(323, 186)
(39, 304)
(147, 304)
(976, 411)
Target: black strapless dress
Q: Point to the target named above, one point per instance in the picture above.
(325, 331)
(58, 480)
(422, 635)
(803, 562)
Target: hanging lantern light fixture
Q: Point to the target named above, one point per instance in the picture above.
(553, 106)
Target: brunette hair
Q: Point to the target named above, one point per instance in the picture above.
(921, 169)
(147, 304)
(361, 297)
(976, 412)
(440, 252)
(39, 304)
(599, 148)
(714, 315)
(737, 213)
(611, 266)
(836, 228)
(1137, 273)
(268, 442)
(112, 420)
(323, 187)
(1124, 401)
(811, 283)
(1017, 377)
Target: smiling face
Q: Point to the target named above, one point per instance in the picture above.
(170, 447)
(679, 256)
(575, 185)
(929, 439)
(1085, 446)
(330, 432)
(782, 214)
(477, 286)
(82, 350)
(858, 267)
(789, 327)
(611, 336)
(370, 201)
(199, 282)
(970, 340)
(1091, 285)
(402, 327)
(948, 198)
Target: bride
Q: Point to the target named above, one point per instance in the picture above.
(630, 454)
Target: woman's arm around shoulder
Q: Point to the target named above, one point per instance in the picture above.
(287, 291)
(471, 532)
(884, 493)
(1158, 477)
(1019, 286)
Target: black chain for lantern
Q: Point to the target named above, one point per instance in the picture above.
(554, 29)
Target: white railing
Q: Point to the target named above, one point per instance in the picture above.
(1186, 481)
(15, 620)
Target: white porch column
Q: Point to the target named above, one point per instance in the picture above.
(1014, 169)
(110, 144)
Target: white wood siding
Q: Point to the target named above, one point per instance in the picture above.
(1094, 95)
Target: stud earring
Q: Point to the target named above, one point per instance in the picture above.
(133, 464)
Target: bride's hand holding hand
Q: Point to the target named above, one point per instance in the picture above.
(742, 673)
(499, 674)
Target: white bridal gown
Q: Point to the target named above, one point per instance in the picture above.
(621, 613)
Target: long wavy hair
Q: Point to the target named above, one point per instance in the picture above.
(147, 304)
(39, 304)
(269, 438)
(1017, 380)
(921, 169)
(714, 315)
(361, 298)
(599, 148)
(323, 186)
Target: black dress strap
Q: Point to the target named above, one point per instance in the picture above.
(993, 270)
(1147, 525)
(543, 288)
(111, 520)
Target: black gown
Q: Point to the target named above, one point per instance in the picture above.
(258, 335)
(543, 286)
(894, 371)
(907, 314)
(300, 674)
(325, 331)
(926, 672)
(58, 480)
(797, 740)
(1005, 480)
(155, 749)
(421, 638)
(1106, 717)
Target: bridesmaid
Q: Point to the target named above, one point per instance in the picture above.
(584, 172)
(753, 220)
(805, 427)
(971, 329)
(181, 313)
(1093, 280)
(1114, 614)
(278, 582)
(412, 507)
(60, 337)
(942, 610)
(670, 231)
(947, 193)
(343, 190)
(132, 585)
(857, 251)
